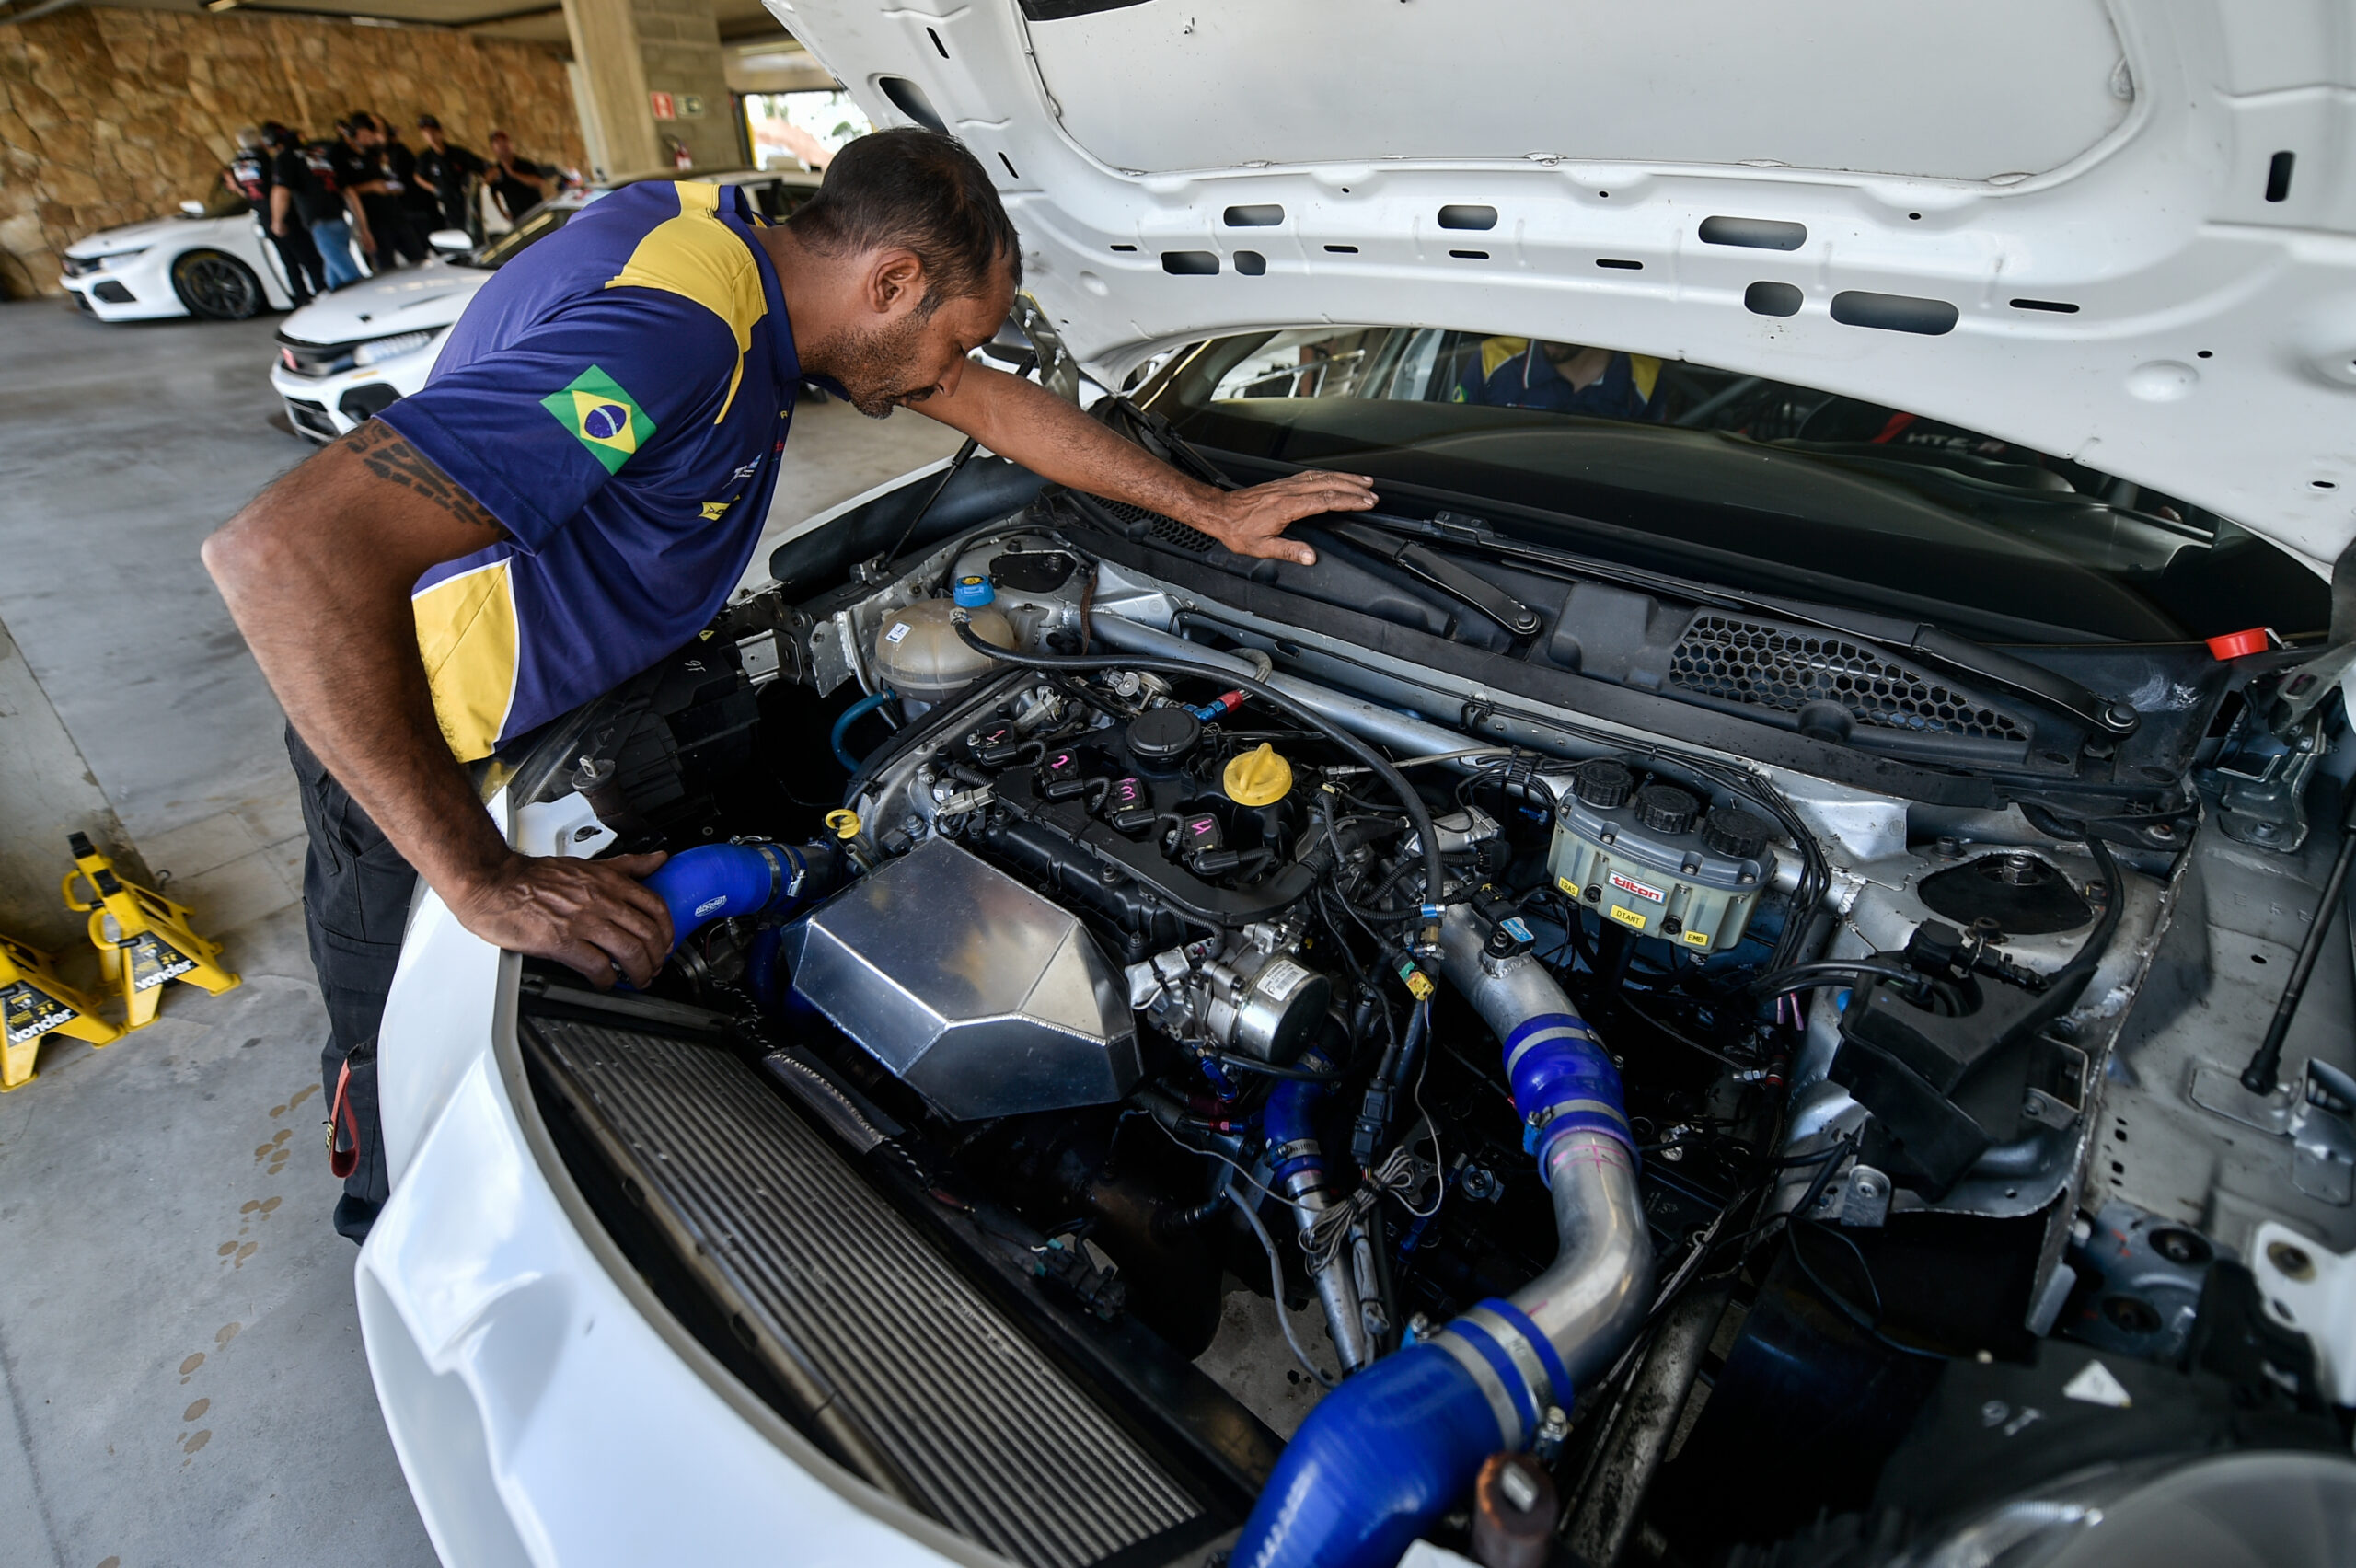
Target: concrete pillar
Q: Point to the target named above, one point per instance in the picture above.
(641, 57)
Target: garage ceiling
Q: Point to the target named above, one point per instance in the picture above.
(539, 21)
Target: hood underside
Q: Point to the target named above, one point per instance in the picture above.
(2120, 233)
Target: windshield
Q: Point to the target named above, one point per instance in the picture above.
(534, 227)
(219, 202)
(1739, 481)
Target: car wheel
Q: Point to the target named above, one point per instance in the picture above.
(216, 287)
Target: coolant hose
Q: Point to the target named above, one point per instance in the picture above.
(713, 881)
(1386, 1453)
(852, 715)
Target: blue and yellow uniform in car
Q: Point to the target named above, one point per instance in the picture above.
(1518, 373)
(618, 406)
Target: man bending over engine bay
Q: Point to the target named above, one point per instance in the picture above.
(574, 494)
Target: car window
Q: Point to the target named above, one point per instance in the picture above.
(1742, 479)
(777, 200)
(536, 226)
(221, 203)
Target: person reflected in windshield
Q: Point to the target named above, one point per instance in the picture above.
(1561, 378)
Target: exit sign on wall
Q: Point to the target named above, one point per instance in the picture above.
(664, 107)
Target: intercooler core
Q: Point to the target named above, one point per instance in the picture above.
(972, 989)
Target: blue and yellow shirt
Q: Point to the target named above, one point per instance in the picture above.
(1515, 373)
(618, 399)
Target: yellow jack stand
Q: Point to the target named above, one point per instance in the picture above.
(34, 1002)
(143, 938)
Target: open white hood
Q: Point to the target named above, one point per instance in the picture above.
(2123, 233)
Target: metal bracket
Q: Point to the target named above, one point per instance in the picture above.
(2323, 1135)
(829, 658)
(2268, 809)
(2219, 1091)
(2061, 1100)
(759, 656)
(2319, 1118)
(1859, 1200)
(1057, 370)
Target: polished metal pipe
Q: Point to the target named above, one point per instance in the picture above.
(1594, 1294)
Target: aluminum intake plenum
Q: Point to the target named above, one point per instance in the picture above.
(976, 992)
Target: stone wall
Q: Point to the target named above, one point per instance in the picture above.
(110, 116)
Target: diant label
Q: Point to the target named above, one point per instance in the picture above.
(1630, 884)
(31, 1014)
(1626, 916)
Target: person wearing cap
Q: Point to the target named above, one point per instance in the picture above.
(252, 174)
(304, 196)
(517, 183)
(420, 206)
(372, 193)
(448, 170)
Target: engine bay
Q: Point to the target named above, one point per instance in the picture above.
(1732, 1137)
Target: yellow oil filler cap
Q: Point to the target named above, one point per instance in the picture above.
(1259, 778)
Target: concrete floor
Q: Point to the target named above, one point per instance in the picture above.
(184, 1375)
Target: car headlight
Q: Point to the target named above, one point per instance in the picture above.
(384, 349)
(111, 257)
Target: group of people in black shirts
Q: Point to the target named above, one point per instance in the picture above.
(325, 203)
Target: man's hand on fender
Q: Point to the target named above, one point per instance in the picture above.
(1251, 522)
(596, 916)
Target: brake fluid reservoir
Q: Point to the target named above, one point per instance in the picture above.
(1654, 860)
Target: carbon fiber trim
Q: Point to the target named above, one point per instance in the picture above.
(901, 1359)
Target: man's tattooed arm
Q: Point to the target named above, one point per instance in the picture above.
(386, 455)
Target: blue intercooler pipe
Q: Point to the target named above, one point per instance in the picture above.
(713, 881)
(1298, 1169)
(1385, 1454)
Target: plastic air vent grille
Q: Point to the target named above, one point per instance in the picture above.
(1168, 530)
(1783, 668)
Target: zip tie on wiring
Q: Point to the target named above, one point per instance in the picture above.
(1401, 1172)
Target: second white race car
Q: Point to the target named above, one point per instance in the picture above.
(213, 261)
(350, 355)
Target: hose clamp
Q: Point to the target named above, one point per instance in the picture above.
(1502, 1383)
(1489, 1368)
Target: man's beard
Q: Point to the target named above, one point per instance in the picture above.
(868, 366)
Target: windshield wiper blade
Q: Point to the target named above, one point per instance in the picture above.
(1957, 655)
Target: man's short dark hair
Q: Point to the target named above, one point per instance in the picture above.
(921, 189)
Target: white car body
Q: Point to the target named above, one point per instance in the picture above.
(2118, 267)
(125, 274)
(348, 354)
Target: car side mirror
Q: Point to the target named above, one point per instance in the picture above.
(451, 242)
(193, 209)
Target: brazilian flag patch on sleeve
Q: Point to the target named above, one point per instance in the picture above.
(601, 416)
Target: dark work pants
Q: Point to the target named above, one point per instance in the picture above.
(389, 226)
(304, 274)
(356, 903)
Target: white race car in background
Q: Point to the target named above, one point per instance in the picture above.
(212, 260)
(349, 355)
